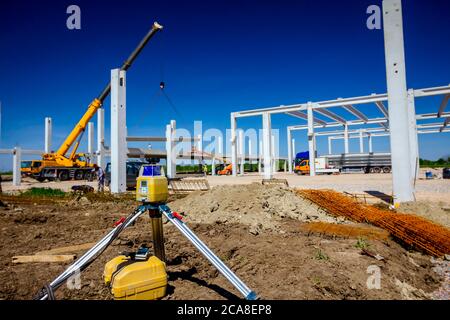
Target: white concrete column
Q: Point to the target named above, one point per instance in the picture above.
(90, 139)
(213, 166)
(241, 151)
(293, 149)
(361, 142)
(345, 138)
(234, 163)
(413, 138)
(200, 149)
(101, 137)
(403, 188)
(274, 159)
(260, 155)
(118, 131)
(289, 143)
(312, 148)
(267, 154)
(369, 137)
(17, 158)
(329, 145)
(48, 135)
(220, 142)
(171, 157)
(285, 167)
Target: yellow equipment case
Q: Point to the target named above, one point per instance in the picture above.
(131, 279)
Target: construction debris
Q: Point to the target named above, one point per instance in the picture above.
(412, 230)
(44, 258)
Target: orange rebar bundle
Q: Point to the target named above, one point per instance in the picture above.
(415, 231)
(345, 230)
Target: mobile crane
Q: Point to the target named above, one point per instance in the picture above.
(59, 165)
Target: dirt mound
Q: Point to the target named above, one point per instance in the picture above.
(434, 211)
(262, 207)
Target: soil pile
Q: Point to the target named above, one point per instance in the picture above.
(256, 205)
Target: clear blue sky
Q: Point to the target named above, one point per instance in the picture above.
(215, 57)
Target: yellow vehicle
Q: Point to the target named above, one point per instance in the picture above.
(59, 165)
(302, 167)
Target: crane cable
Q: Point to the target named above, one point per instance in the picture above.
(162, 83)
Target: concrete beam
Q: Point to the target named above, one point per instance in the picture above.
(403, 187)
(356, 112)
(443, 105)
(331, 115)
(382, 108)
(118, 131)
(301, 115)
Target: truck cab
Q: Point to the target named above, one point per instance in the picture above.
(30, 167)
(301, 166)
(321, 164)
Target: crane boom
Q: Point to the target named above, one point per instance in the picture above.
(97, 103)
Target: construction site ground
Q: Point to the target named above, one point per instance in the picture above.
(260, 232)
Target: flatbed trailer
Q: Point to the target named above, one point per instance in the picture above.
(365, 162)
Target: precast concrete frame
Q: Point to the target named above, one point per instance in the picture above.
(398, 120)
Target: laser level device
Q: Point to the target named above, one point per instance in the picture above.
(137, 275)
(152, 185)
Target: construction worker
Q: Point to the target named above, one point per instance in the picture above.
(100, 177)
(205, 169)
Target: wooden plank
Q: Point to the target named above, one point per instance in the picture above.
(43, 258)
(69, 249)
